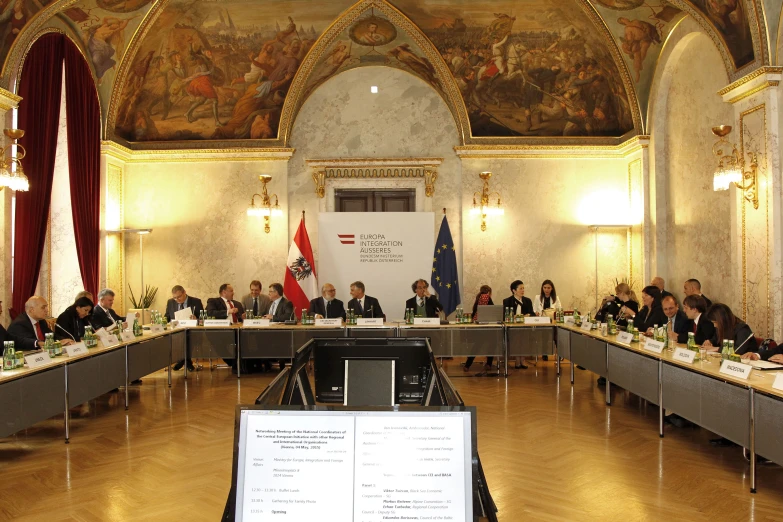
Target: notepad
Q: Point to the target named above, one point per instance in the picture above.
(765, 365)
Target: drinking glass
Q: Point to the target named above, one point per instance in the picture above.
(703, 354)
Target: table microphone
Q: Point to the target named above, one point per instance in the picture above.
(64, 330)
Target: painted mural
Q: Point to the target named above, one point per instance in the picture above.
(538, 71)
(373, 40)
(222, 70)
(730, 20)
(14, 15)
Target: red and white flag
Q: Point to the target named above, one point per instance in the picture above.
(301, 283)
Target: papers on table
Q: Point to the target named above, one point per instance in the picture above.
(765, 365)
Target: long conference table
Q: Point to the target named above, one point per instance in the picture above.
(746, 412)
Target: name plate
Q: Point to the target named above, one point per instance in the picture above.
(109, 340)
(686, 356)
(586, 326)
(217, 322)
(182, 323)
(654, 346)
(255, 323)
(329, 322)
(538, 320)
(128, 336)
(75, 349)
(625, 337)
(366, 321)
(156, 328)
(778, 383)
(569, 319)
(735, 369)
(426, 321)
(37, 360)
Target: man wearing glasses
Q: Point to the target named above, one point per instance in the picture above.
(327, 306)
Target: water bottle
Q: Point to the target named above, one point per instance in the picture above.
(9, 356)
(49, 344)
(137, 331)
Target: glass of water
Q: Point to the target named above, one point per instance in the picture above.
(703, 354)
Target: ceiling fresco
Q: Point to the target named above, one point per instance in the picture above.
(223, 69)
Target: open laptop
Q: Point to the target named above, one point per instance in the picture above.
(489, 314)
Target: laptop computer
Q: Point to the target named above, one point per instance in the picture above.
(489, 314)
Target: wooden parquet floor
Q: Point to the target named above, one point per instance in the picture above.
(551, 453)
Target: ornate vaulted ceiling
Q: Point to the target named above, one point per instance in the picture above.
(173, 71)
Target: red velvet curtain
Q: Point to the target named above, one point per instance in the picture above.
(83, 114)
(39, 113)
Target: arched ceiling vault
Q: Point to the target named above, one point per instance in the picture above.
(570, 69)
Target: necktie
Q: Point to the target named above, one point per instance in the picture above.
(361, 309)
(230, 305)
(255, 306)
(180, 306)
(328, 304)
(38, 333)
(694, 327)
(421, 302)
(273, 309)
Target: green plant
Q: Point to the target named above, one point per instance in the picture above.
(145, 299)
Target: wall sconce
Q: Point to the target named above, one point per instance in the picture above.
(11, 172)
(266, 208)
(319, 178)
(430, 177)
(485, 206)
(731, 167)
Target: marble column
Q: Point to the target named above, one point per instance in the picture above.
(8, 102)
(758, 227)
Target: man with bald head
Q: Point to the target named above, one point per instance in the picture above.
(327, 306)
(693, 287)
(659, 282)
(29, 329)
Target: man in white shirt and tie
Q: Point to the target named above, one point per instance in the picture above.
(281, 309)
(364, 305)
(224, 307)
(256, 302)
(423, 304)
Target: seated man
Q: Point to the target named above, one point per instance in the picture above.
(180, 300)
(280, 309)
(327, 306)
(224, 307)
(256, 302)
(29, 329)
(660, 283)
(103, 316)
(693, 287)
(423, 305)
(364, 305)
(679, 325)
(694, 306)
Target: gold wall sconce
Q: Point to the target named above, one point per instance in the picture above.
(430, 177)
(11, 171)
(731, 167)
(319, 178)
(266, 208)
(486, 203)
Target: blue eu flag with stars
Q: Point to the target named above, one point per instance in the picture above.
(444, 269)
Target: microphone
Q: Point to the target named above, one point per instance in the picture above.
(64, 330)
(372, 312)
(292, 317)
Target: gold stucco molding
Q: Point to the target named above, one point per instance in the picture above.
(750, 77)
(621, 150)
(8, 100)
(115, 150)
(753, 83)
(374, 168)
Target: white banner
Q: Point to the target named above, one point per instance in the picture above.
(387, 251)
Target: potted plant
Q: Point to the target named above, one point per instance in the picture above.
(144, 302)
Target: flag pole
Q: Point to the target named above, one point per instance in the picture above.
(303, 218)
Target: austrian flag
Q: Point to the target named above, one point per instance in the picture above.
(301, 283)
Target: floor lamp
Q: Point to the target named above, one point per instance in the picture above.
(141, 232)
(595, 228)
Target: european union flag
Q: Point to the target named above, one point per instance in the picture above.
(444, 269)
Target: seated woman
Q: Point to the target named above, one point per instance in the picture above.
(613, 304)
(547, 298)
(484, 297)
(730, 327)
(652, 311)
(71, 323)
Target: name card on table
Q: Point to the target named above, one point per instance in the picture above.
(569, 319)
(654, 346)
(778, 383)
(686, 356)
(255, 323)
(182, 323)
(367, 321)
(75, 349)
(426, 321)
(110, 340)
(329, 322)
(37, 360)
(217, 322)
(586, 326)
(735, 369)
(128, 336)
(625, 337)
(538, 320)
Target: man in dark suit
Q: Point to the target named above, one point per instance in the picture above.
(519, 304)
(327, 306)
(103, 316)
(695, 306)
(423, 304)
(224, 307)
(29, 329)
(256, 302)
(280, 309)
(180, 300)
(693, 287)
(659, 282)
(679, 325)
(364, 305)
